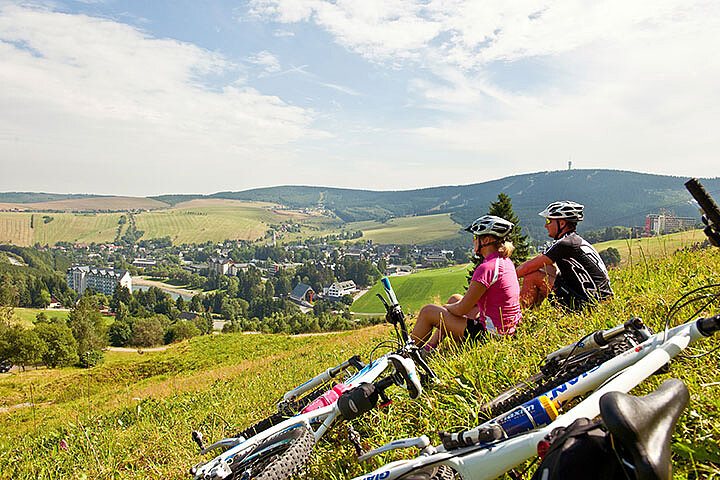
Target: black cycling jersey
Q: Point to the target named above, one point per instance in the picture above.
(583, 276)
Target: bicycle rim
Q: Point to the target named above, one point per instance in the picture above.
(277, 458)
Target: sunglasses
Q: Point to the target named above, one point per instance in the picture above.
(547, 221)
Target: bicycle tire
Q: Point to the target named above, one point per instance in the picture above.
(541, 383)
(437, 472)
(278, 457)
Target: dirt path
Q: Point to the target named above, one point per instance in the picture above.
(129, 349)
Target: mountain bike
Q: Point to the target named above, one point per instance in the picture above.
(280, 445)
(513, 437)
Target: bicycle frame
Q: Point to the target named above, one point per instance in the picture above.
(487, 461)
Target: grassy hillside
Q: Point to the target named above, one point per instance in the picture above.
(415, 290)
(639, 249)
(131, 417)
(420, 230)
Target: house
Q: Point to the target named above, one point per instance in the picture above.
(220, 265)
(338, 290)
(144, 262)
(192, 316)
(302, 293)
(101, 280)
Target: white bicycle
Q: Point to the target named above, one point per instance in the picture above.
(511, 438)
(278, 446)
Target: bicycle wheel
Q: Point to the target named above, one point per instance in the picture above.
(541, 383)
(438, 472)
(278, 457)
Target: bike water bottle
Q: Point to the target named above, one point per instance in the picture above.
(538, 412)
(327, 398)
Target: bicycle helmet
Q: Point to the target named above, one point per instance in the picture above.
(491, 225)
(564, 210)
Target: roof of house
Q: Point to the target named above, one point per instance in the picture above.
(300, 290)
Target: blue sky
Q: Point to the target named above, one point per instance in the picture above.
(143, 98)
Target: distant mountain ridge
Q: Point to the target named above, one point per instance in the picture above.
(611, 197)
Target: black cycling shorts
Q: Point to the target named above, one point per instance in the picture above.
(475, 330)
(566, 297)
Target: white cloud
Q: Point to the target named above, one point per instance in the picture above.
(105, 97)
(611, 82)
(267, 61)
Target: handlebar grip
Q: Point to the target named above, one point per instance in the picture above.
(389, 291)
(706, 202)
(708, 326)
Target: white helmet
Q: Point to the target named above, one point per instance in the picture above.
(491, 225)
(564, 210)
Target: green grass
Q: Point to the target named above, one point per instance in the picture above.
(25, 316)
(419, 230)
(636, 250)
(131, 417)
(417, 289)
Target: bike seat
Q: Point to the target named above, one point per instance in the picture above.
(643, 426)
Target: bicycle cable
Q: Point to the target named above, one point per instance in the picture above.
(677, 306)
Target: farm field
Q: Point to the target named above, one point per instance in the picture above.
(417, 289)
(130, 417)
(194, 221)
(66, 227)
(91, 203)
(419, 230)
(216, 219)
(636, 249)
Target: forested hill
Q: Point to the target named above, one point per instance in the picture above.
(611, 197)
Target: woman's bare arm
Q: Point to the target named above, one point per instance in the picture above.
(469, 300)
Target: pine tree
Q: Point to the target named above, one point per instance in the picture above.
(503, 208)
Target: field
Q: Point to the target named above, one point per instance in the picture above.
(637, 250)
(67, 227)
(25, 316)
(415, 290)
(91, 203)
(194, 221)
(418, 230)
(131, 417)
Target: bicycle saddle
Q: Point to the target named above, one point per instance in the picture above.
(644, 426)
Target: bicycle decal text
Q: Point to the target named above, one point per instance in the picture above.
(555, 392)
(377, 476)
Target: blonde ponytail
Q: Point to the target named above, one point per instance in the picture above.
(506, 249)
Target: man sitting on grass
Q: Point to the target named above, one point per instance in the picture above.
(580, 278)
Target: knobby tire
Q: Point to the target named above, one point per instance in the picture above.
(279, 457)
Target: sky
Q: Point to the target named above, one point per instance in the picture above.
(197, 96)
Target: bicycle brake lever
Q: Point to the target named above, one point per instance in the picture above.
(420, 442)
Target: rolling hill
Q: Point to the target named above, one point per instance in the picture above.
(611, 197)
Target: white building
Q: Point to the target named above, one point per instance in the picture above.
(101, 280)
(340, 289)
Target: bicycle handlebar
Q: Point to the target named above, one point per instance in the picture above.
(706, 202)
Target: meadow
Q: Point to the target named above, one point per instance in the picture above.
(131, 417)
(420, 230)
(636, 250)
(417, 289)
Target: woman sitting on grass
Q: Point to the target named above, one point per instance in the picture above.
(491, 304)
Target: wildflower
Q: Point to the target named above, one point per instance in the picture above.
(63, 444)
